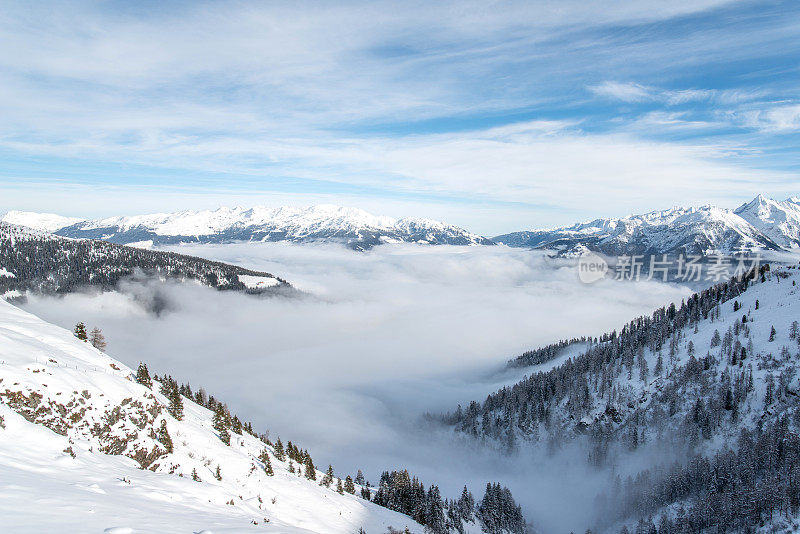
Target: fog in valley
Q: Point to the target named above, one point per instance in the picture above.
(380, 338)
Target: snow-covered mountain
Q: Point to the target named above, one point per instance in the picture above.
(31, 260)
(85, 448)
(89, 445)
(780, 221)
(707, 391)
(758, 225)
(355, 227)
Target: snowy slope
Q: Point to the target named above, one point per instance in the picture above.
(760, 224)
(45, 222)
(60, 397)
(324, 222)
(665, 392)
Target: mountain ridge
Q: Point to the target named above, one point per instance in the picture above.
(32, 260)
(761, 224)
(354, 227)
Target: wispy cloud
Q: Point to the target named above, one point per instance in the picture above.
(772, 119)
(627, 92)
(486, 105)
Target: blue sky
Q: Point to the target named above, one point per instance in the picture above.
(496, 116)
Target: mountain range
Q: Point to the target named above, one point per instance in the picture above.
(761, 224)
(354, 227)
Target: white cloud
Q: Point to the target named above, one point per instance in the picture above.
(250, 96)
(627, 92)
(777, 118)
(552, 172)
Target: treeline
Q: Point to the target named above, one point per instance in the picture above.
(52, 264)
(496, 512)
(544, 354)
(732, 491)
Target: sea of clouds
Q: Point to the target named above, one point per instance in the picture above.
(381, 338)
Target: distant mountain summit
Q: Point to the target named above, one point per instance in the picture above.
(757, 225)
(780, 221)
(354, 227)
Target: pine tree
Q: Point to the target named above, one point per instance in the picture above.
(434, 512)
(772, 333)
(163, 436)
(97, 339)
(310, 473)
(80, 331)
(349, 487)
(716, 339)
(327, 479)
(279, 453)
(291, 467)
(175, 407)
(360, 478)
(339, 487)
(659, 366)
(195, 476)
(236, 425)
(220, 423)
(218, 473)
(143, 376)
(264, 457)
(466, 506)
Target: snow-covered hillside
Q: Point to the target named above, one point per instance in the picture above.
(355, 227)
(703, 391)
(757, 225)
(32, 260)
(84, 448)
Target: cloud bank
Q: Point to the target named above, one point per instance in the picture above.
(387, 336)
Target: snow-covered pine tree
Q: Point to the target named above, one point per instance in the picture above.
(80, 331)
(143, 376)
(279, 452)
(175, 407)
(327, 479)
(220, 424)
(310, 471)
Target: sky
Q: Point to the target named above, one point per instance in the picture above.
(495, 116)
